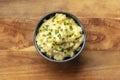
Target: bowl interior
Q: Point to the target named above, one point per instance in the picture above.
(47, 16)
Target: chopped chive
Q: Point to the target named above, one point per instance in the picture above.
(64, 23)
(61, 29)
(51, 30)
(44, 35)
(72, 34)
(67, 23)
(53, 18)
(56, 31)
(49, 33)
(63, 38)
(65, 52)
(40, 30)
(62, 50)
(69, 35)
(71, 28)
(47, 25)
(43, 43)
(65, 29)
(53, 44)
(59, 35)
(49, 37)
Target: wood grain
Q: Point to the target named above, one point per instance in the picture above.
(20, 61)
(99, 60)
(81, 8)
(92, 65)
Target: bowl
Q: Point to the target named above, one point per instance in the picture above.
(47, 16)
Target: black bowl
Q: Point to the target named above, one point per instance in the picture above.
(47, 16)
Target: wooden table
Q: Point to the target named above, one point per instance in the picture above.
(100, 59)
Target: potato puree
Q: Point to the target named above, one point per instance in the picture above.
(59, 37)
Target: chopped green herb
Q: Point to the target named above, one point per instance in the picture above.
(47, 25)
(65, 52)
(59, 35)
(51, 30)
(64, 23)
(62, 50)
(56, 31)
(53, 43)
(63, 38)
(53, 18)
(40, 46)
(70, 35)
(65, 29)
(71, 28)
(44, 35)
(54, 37)
(67, 23)
(61, 29)
(40, 30)
(49, 33)
(57, 21)
(49, 37)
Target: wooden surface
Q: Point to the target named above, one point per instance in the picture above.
(100, 60)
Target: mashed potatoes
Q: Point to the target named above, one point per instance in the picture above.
(59, 37)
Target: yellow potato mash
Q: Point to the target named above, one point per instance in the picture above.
(59, 37)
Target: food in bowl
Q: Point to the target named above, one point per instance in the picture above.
(59, 37)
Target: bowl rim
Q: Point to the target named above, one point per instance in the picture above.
(71, 16)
